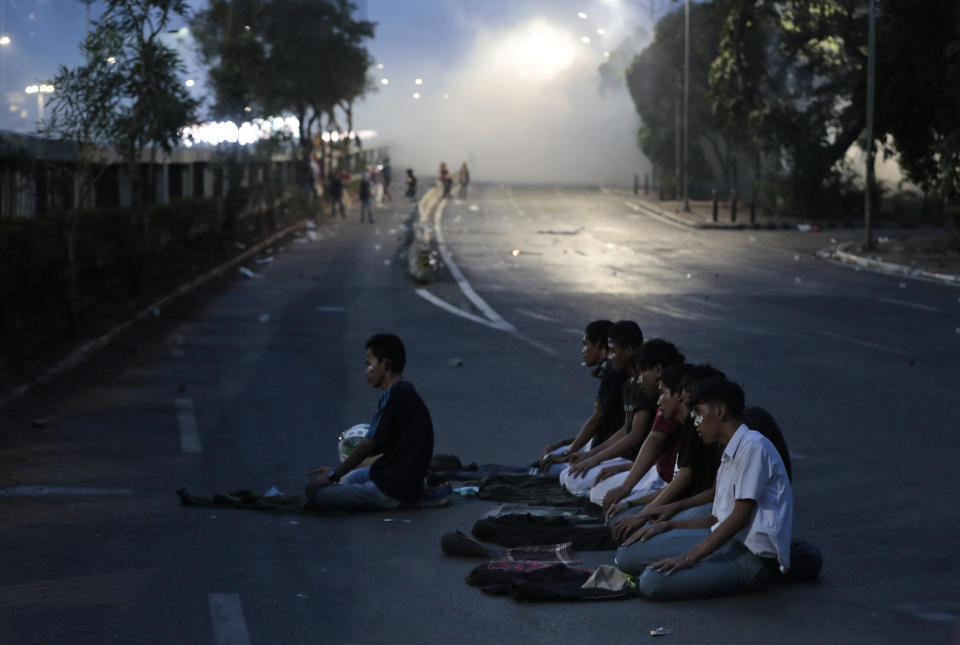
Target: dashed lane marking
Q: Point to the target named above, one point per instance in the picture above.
(229, 625)
(857, 341)
(187, 421)
(912, 305)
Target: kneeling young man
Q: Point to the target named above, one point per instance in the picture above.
(401, 432)
(746, 539)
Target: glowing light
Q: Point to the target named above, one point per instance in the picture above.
(606, 54)
(246, 27)
(183, 31)
(581, 15)
(539, 52)
(446, 97)
(46, 88)
(379, 65)
(112, 60)
(416, 95)
(515, 252)
(14, 108)
(601, 31)
(23, 114)
(32, 89)
(384, 81)
(190, 82)
(418, 81)
(585, 40)
(248, 109)
(4, 40)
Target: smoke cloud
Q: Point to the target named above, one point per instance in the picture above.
(521, 104)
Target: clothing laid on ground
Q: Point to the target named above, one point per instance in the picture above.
(403, 432)
(751, 469)
(530, 581)
(250, 501)
(526, 489)
(528, 530)
(587, 514)
(458, 544)
(609, 401)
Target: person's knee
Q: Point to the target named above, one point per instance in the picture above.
(655, 585)
(629, 561)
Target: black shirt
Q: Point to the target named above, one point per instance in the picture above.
(635, 400)
(703, 459)
(403, 432)
(763, 422)
(609, 402)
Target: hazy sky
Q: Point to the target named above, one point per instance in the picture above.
(523, 100)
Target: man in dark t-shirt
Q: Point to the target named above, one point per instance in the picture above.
(401, 432)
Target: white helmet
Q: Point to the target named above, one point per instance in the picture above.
(350, 438)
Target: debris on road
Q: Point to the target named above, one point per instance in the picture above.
(249, 274)
(313, 235)
(808, 228)
(241, 246)
(377, 247)
(798, 279)
(310, 224)
(455, 362)
(42, 423)
(467, 491)
(556, 232)
(474, 208)
(302, 595)
(903, 285)
(266, 260)
(264, 318)
(515, 252)
(273, 492)
(659, 631)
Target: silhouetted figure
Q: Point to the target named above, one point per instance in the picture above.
(463, 177)
(411, 184)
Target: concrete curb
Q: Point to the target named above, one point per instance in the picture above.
(79, 355)
(840, 254)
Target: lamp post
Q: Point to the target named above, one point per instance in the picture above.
(39, 90)
(868, 136)
(686, 99)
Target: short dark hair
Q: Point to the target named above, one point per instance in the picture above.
(721, 390)
(671, 376)
(389, 349)
(625, 333)
(699, 373)
(596, 332)
(656, 351)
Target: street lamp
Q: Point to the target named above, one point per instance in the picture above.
(686, 98)
(39, 90)
(4, 40)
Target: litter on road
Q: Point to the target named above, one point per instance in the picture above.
(248, 273)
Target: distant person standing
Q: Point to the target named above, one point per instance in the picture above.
(445, 180)
(411, 184)
(387, 178)
(366, 195)
(463, 177)
(335, 193)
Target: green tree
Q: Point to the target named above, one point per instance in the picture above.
(789, 80)
(302, 57)
(918, 94)
(655, 81)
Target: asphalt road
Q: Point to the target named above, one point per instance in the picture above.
(247, 384)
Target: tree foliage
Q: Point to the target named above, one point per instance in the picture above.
(303, 57)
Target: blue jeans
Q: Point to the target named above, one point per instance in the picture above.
(355, 492)
(731, 569)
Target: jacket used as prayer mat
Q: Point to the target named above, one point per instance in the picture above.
(537, 581)
(529, 530)
(527, 489)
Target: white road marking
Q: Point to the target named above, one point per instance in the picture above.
(571, 330)
(189, 434)
(674, 312)
(462, 282)
(229, 625)
(32, 491)
(330, 309)
(533, 314)
(913, 305)
(857, 341)
(443, 304)
(797, 455)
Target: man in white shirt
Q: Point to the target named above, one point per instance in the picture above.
(746, 539)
